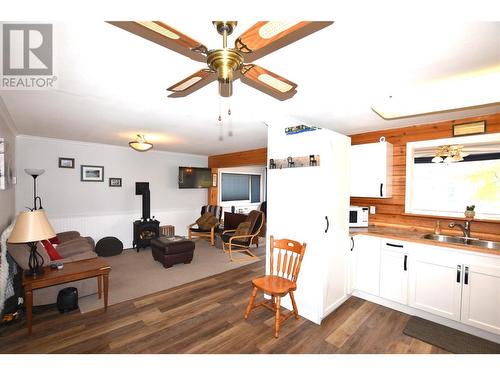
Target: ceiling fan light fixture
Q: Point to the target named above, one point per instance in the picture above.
(159, 29)
(140, 144)
(274, 82)
(273, 28)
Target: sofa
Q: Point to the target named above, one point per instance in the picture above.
(72, 247)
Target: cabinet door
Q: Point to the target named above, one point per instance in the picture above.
(394, 274)
(371, 167)
(435, 285)
(352, 265)
(367, 264)
(481, 297)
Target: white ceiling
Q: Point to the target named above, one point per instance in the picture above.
(111, 83)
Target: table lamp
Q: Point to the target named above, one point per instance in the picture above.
(31, 227)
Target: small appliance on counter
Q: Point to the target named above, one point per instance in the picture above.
(358, 217)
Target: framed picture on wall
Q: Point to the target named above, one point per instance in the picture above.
(91, 173)
(115, 182)
(66, 163)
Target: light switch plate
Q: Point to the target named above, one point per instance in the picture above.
(372, 210)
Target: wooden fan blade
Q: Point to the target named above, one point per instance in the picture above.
(166, 36)
(192, 83)
(267, 36)
(267, 82)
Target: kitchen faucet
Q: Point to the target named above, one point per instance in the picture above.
(465, 227)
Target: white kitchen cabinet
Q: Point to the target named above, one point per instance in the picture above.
(481, 296)
(366, 270)
(435, 281)
(371, 170)
(311, 204)
(394, 271)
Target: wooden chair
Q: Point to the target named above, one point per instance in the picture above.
(241, 244)
(195, 231)
(281, 280)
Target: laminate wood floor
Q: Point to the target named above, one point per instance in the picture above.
(206, 316)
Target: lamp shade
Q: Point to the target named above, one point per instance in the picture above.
(31, 226)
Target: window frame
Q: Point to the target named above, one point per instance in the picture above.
(409, 183)
(246, 202)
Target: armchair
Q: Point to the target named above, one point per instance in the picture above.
(194, 229)
(240, 243)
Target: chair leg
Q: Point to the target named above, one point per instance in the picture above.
(295, 311)
(190, 237)
(250, 304)
(277, 322)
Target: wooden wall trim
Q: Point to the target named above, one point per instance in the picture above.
(390, 211)
(234, 159)
(239, 159)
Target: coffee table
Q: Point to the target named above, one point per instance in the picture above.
(72, 271)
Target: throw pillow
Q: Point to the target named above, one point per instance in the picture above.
(206, 221)
(243, 229)
(55, 240)
(53, 254)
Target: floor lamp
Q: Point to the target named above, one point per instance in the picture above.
(35, 173)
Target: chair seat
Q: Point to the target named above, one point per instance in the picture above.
(274, 284)
(199, 230)
(227, 237)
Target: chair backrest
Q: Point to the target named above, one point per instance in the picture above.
(215, 210)
(256, 219)
(288, 259)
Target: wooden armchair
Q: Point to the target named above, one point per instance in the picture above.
(285, 259)
(232, 243)
(195, 231)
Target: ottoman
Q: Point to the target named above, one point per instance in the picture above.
(170, 252)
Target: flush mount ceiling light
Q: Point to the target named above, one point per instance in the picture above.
(140, 144)
(473, 89)
(449, 154)
(229, 64)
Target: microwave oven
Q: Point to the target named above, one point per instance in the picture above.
(358, 216)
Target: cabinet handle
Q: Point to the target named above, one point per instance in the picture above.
(327, 224)
(394, 245)
(381, 189)
(459, 269)
(352, 243)
(466, 276)
(405, 266)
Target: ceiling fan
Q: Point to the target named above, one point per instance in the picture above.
(229, 64)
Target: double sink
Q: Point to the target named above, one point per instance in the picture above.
(463, 241)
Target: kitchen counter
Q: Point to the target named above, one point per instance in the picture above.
(406, 234)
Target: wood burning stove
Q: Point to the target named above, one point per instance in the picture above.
(147, 228)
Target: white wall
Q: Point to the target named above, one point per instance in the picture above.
(94, 208)
(7, 197)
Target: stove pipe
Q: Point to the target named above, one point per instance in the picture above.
(142, 188)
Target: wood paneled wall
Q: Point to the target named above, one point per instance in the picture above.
(390, 211)
(235, 159)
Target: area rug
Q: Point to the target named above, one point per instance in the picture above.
(448, 338)
(136, 274)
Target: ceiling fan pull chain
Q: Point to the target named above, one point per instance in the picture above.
(230, 121)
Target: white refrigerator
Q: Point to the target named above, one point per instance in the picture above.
(311, 204)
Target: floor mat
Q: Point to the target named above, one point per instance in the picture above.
(448, 338)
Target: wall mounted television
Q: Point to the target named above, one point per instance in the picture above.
(194, 178)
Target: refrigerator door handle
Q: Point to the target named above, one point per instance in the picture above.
(327, 224)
